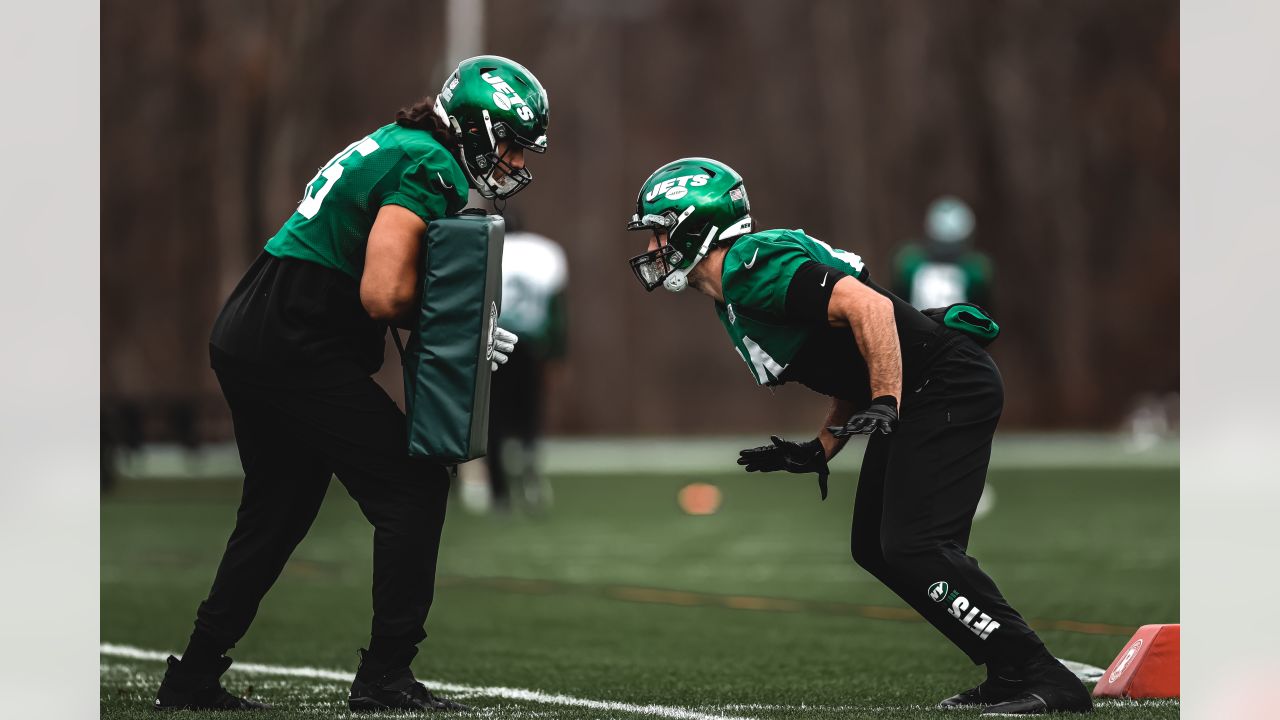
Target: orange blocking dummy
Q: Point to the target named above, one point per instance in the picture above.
(1147, 666)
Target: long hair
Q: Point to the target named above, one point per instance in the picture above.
(421, 116)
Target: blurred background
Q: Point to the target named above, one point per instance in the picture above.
(1055, 123)
(1021, 154)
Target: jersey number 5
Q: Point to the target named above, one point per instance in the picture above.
(311, 198)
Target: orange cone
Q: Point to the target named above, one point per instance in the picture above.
(1147, 667)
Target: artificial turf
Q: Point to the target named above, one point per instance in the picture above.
(616, 595)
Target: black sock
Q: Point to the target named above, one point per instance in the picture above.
(1002, 672)
(1029, 664)
(386, 654)
(203, 654)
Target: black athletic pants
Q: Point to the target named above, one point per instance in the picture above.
(917, 494)
(515, 402)
(291, 441)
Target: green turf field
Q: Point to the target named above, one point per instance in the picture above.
(616, 600)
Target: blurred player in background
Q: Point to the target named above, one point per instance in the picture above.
(294, 349)
(944, 268)
(799, 310)
(534, 275)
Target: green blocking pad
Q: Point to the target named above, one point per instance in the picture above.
(446, 360)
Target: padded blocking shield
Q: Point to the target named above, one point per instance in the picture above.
(446, 360)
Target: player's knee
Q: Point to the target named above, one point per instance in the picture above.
(866, 552)
(901, 552)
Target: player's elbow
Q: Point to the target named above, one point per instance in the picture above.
(385, 304)
(870, 308)
(884, 306)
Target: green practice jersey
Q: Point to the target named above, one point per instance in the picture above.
(757, 273)
(534, 275)
(392, 166)
(928, 278)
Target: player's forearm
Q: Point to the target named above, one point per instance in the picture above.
(838, 414)
(870, 315)
(877, 336)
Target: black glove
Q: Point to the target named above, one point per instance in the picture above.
(794, 457)
(881, 414)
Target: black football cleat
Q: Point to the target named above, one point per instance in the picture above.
(185, 690)
(1049, 688)
(397, 690)
(994, 689)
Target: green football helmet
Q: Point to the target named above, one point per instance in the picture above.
(700, 203)
(487, 99)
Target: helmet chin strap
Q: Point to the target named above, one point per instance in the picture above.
(677, 280)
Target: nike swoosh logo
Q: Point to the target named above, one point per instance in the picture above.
(748, 265)
(824, 280)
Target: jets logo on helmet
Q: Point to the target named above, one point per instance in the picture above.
(504, 97)
(699, 203)
(675, 188)
(488, 99)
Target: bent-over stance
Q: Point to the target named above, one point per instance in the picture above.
(929, 396)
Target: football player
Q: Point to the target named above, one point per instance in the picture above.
(923, 388)
(294, 348)
(944, 268)
(535, 273)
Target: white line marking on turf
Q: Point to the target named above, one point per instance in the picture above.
(845, 710)
(1084, 671)
(677, 713)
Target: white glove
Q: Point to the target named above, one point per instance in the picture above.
(504, 342)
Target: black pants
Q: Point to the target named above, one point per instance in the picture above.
(917, 494)
(515, 401)
(291, 441)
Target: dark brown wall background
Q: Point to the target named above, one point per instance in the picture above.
(1057, 121)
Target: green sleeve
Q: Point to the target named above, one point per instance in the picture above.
(758, 272)
(423, 187)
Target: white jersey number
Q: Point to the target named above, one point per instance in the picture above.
(332, 170)
(761, 364)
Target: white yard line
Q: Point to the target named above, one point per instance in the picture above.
(665, 711)
(1086, 672)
